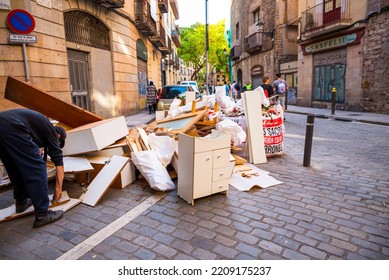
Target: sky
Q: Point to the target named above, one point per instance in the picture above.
(192, 11)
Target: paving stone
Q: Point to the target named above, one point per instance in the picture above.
(262, 234)
(344, 245)
(247, 249)
(221, 220)
(145, 254)
(225, 252)
(203, 254)
(225, 241)
(282, 231)
(286, 242)
(248, 238)
(165, 251)
(312, 252)
(293, 255)
(331, 250)
(318, 236)
(183, 234)
(245, 257)
(182, 246)
(183, 257)
(163, 238)
(145, 242)
(46, 252)
(225, 230)
(241, 227)
(202, 242)
(270, 246)
(166, 228)
(207, 224)
(305, 240)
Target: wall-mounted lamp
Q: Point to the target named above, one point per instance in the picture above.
(260, 25)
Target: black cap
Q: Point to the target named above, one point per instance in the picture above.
(62, 136)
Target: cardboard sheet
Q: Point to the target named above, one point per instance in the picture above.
(263, 180)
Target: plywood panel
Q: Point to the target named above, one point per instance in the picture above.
(103, 180)
(9, 213)
(38, 100)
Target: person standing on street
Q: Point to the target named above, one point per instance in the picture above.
(280, 88)
(267, 88)
(22, 133)
(151, 97)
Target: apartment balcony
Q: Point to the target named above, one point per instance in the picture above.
(235, 52)
(161, 40)
(253, 43)
(174, 5)
(110, 4)
(143, 20)
(176, 38)
(326, 17)
(163, 6)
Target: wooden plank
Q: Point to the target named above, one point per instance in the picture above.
(103, 180)
(33, 98)
(9, 213)
(256, 143)
(76, 164)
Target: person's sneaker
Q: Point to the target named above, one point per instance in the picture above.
(50, 217)
(22, 206)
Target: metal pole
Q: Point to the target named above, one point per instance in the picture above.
(333, 100)
(25, 63)
(308, 140)
(206, 46)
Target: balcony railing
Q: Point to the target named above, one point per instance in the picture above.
(110, 4)
(163, 6)
(235, 52)
(175, 9)
(330, 13)
(161, 40)
(143, 20)
(176, 37)
(253, 42)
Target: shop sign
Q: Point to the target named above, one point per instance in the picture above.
(336, 42)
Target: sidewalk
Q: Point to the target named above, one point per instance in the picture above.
(143, 117)
(380, 119)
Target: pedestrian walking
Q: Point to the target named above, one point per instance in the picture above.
(151, 97)
(280, 88)
(22, 133)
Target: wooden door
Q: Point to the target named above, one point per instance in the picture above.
(332, 9)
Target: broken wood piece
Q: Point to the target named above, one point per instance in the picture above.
(103, 180)
(239, 160)
(9, 213)
(249, 174)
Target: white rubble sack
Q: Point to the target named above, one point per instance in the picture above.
(164, 146)
(152, 169)
(238, 135)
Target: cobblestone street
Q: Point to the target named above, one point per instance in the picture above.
(338, 208)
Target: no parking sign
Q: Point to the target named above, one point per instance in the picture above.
(20, 21)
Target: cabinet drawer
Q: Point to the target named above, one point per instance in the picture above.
(221, 174)
(221, 158)
(220, 186)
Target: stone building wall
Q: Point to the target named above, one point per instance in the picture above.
(375, 79)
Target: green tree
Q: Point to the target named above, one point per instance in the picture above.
(192, 48)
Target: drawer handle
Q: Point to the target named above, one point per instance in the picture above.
(221, 174)
(219, 156)
(221, 186)
(208, 158)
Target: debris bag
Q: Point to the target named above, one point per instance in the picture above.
(238, 135)
(273, 132)
(164, 146)
(152, 169)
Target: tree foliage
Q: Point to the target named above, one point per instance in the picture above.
(193, 44)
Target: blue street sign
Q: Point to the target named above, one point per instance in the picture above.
(20, 21)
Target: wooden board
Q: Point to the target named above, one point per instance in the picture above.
(33, 98)
(95, 136)
(256, 143)
(103, 180)
(181, 123)
(9, 213)
(76, 164)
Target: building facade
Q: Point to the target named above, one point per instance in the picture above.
(97, 54)
(264, 41)
(343, 47)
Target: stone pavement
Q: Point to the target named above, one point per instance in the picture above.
(335, 209)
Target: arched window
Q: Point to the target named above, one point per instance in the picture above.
(84, 29)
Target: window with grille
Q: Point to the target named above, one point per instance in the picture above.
(85, 29)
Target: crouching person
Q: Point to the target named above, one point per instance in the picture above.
(22, 133)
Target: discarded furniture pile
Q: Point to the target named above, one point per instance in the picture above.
(194, 143)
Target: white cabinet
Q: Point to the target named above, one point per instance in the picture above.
(204, 165)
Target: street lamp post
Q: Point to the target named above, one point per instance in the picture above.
(206, 47)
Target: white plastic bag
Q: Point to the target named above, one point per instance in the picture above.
(152, 169)
(238, 135)
(164, 146)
